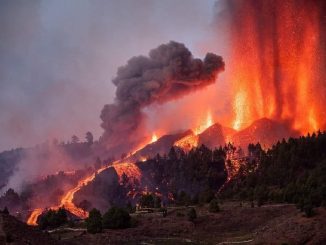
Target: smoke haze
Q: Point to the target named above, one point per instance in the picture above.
(169, 72)
(58, 58)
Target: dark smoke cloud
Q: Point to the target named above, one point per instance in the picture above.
(169, 72)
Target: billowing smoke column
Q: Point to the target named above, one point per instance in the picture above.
(277, 60)
(169, 72)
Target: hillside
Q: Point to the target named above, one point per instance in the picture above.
(270, 224)
(13, 231)
(265, 131)
(292, 171)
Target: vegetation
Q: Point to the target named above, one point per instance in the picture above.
(53, 219)
(191, 177)
(4, 211)
(94, 221)
(116, 218)
(150, 201)
(192, 214)
(213, 206)
(293, 171)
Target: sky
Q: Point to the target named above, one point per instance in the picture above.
(57, 58)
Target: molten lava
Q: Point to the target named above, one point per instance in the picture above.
(206, 124)
(154, 138)
(67, 200)
(277, 61)
(191, 141)
(130, 170)
(188, 142)
(32, 220)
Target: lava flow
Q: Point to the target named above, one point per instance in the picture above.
(130, 169)
(191, 141)
(67, 200)
(32, 220)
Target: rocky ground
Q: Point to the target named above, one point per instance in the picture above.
(269, 224)
(234, 224)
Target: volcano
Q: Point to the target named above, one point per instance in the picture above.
(161, 146)
(265, 131)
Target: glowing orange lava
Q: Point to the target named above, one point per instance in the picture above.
(32, 220)
(188, 142)
(206, 124)
(277, 62)
(67, 200)
(154, 138)
(191, 141)
(129, 169)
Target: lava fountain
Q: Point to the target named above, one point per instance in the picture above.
(277, 61)
(190, 141)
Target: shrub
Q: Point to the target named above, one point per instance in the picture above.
(308, 210)
(130, 208)
(9, 238)
(116, 218)
(147, 201)
(5, 211)
(94, 221)
(164, 212)
(192, 215)
(213, 206)
(53, 219)
(179, 214)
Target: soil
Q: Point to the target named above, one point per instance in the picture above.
(234, 224)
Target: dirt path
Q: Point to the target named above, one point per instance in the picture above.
(236, 242)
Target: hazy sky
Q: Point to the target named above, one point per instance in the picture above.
(57, 58)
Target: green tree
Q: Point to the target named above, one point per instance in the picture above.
(213, 206)
(192, 214)
(94, 221)
(5, 211)
(89, 138)
(147, 201)
(98, 163)
(116, 218)
(53, 219)
(74, 139)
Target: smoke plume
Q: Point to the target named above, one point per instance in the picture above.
(169, 72)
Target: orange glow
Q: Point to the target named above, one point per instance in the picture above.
(143, 159)
(206, 124)
(188, 142)
(240, 111)
(276, 63)
(129, 169)
(32, 220)
(154, 138)
(67, 200)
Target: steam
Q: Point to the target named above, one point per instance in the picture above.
(168, 73)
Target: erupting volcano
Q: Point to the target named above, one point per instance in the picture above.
(276, 68)
(277, 61)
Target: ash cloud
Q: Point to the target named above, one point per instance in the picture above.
(169, 72)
